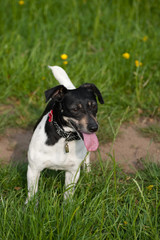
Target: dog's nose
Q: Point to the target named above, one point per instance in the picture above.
(92, 127)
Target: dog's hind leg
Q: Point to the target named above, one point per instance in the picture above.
(32, 180)
(71, 178)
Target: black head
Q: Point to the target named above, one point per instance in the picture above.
(78, 107)
(56, 93)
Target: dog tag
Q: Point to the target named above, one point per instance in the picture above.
(67, 147)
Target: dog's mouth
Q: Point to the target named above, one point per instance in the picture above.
(90, 139)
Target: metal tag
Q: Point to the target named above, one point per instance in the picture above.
(67, 147)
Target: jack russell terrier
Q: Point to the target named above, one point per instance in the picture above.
(65, 132)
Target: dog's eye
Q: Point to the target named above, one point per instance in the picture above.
(75, 109)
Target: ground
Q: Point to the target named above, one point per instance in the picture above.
(129, 148)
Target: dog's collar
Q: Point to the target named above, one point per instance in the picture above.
(68, 135)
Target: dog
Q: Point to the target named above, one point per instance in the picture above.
(64, 133)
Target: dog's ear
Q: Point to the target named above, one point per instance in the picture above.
(95, 90)
(57, 93)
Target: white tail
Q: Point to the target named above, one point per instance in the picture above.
(62, 77)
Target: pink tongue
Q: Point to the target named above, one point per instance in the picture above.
(90, 141)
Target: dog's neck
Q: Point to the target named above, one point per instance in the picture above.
(59, 124)
(55, 125)
(68, 135)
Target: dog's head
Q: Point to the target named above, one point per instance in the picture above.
(78, 107)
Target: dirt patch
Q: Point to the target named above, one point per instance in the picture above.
(129, 148)
(14, 145)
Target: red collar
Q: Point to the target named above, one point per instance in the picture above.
(50, 115)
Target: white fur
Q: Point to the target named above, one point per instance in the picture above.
(41, 155)
(62, 77)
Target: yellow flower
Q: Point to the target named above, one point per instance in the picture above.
(64, 56)
(145, 38)
(138, 63)
(125, 222)
(150, 187)
(21, 2)
(126, 55)
(65, 62)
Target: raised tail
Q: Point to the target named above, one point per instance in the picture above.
(62, 77)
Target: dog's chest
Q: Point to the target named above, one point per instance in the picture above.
(57, 156)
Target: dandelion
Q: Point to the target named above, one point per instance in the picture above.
(17, 188)
(64, 56)
(126, 55)
(138, 63)
(150, 187)
(145, 38)
(21, 2)
(65, 62)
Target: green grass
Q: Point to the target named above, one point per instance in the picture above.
(107, 204)
(94, 34)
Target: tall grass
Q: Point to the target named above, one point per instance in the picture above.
(108, 204)
(94, 34)
(103, 206)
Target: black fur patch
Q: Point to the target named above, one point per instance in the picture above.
(73, 104)
(52, 135)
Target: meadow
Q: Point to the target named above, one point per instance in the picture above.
(115, 45)
(107, 204)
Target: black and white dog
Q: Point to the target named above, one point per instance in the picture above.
(65, 131)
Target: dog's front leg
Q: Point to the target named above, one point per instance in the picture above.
(32, 180)
(87, 162)
(71, 178)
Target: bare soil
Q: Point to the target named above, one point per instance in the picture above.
(129, 148)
